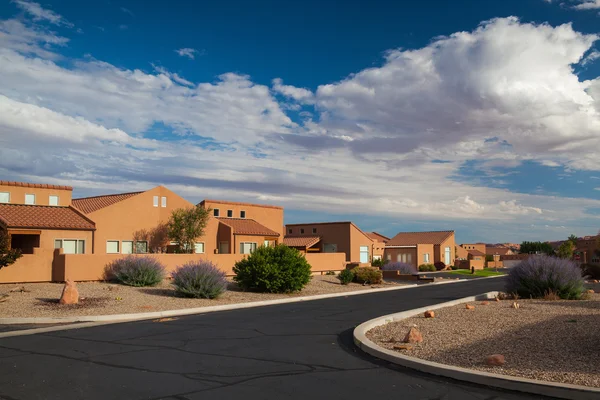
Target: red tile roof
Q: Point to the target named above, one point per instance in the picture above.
(414, 238)
(377, 236)
(43, 217)
(35, 185)
(476, 253)
(301, 241)
(497, 250)
(235, 203)
(90, 204)
(244, 226)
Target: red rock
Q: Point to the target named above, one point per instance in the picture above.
(469, 307)
(413, 336)
(70, 294)
(485, 303)
(495, 359)
(402, 347)
(591, 291)
(429, 314)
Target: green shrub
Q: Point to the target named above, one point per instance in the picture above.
(199, 279)
(329, 273)
(136, 271)
(378, 263)
(278, 269)
(346, 276)
(367, 275)
(454, 267)
(427, 267)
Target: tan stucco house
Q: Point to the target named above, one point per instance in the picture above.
(419, 248)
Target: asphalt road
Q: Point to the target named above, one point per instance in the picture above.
(292, 351)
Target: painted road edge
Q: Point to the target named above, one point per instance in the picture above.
(551, 389)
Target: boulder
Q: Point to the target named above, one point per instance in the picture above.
(413, 336)
(485, 303)
(469, 307)
(591, 291)
(495, 360)
(429, 314)
(70, 294)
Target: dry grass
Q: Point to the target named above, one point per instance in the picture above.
(99, 298)
(544, 340)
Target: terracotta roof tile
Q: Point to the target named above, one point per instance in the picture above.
(378, 236)
(414, 238)
(43, 217)
(245, 226)
(301, 241)
(236, 203)
(476, 253)
(35, 185)
(90, 204)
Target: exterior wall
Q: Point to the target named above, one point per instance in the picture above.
(439, 250)
(338, 234)
(474, 246)
(477, 262)
(588, 247)
(269, 216)
(121, 220)
(461, 253)
(42, 196)
(224, 234)
(495, 264)
(49, 235)
(395, 254)
(378, 249)
(259, 240)
(36, 267)
(421, 250)
(323, 262)
(358, 239)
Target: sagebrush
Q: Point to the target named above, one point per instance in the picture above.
(199, 279)
(367, 275)
(136, 271)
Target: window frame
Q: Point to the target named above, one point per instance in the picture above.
(77, 243)
(136, 247)
(203, 248)
(57, 200)
(251, 249)
(5, 202)
(216, 212)
(314, 230)
(118, 246)
(290, 231)
(229, 213)
(132, 246)
(302, 231)
(163, 201)
(155, 201)
(30, 194)
(243, 214)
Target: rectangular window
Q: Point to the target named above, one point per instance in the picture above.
(302, 231)
(330, 248)
(267, 243)
(127, 247)
(112, 246)
(389, 257)
(81, 247)
(224, 247)
(426, 258)
(314, 230)
(30, 199)
(247, 247)
(141, 247)
(155, 201)
(199, 248)
(70, 246)
(242, 214)
(229, 213)
(58, 244)
(216, 212)
(53, 200)
(290, 231)
(4, 197)
(163, 202)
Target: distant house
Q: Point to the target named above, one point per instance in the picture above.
(501, 251)
(421, 247)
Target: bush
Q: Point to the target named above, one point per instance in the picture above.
(427, 267)
(403, 268)
(439, 265)
(367, 275)
(278, 269)
(199, 279)
(539, 275)
(454, 267)
(378, 263)
(346, 276)
(592, 271)
(329, 273)
(136, 271)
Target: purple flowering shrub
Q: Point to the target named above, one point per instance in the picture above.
(199, 279)
(539, 275)
(136, 271)
(403, 268)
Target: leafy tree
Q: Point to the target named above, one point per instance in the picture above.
(156, 238)
(534, 247)
(7, 255)
(573, 239)
(565, 250)
(186, 225)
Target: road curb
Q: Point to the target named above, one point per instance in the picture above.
(543, 388)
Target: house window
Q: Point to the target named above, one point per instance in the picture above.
(426, 258)
(216, 212)
(155, 201)
(163, 202)
(290, 231)
(53, 200)
(4, 197)
(30, 199)
(141, 247)
(199, 248)
(127, 247)
(389, 257)
(112, 246)
(224, 247)
(247, 247)
(302, 231)
(330, 248)
(267, 243)
(242, 214)
(314, 230)
(70, 246)
(229, 213)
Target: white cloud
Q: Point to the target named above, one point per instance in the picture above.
(299, 94)
(188, 52)
(39, 13)
(587, 4)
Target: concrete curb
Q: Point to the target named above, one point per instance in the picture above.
(542, 388)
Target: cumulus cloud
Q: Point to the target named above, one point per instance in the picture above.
(39, 13)
(188, 52)
(587, 4)
(299, 94)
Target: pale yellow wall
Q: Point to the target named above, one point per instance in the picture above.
(42, 195)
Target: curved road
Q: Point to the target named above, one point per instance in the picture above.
(291, 351)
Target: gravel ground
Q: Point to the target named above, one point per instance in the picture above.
(99, 298)
(544, 340)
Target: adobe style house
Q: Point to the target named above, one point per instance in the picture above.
(332, 237)
(419, 248)
(587, 250)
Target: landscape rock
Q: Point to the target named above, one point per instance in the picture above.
(469, 307)
(497, 299)
(485, 303)
(402, 347)
(495, 360)
(70, 294)
(515, 305)
(591, 291)
(4, 297)
(429, 314)
(413, 336)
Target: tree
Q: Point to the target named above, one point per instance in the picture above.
(8, 256)
(535, 247)
(157, 238)
(573, 239)
(186, 225)
(565, 250)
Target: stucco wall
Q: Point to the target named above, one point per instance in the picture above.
(269, 216)
(48, 236)
(36, 267)
(449, 242)
(393, 253)
(42, 196)
(333, 233)
(421, 250)
(358, 239)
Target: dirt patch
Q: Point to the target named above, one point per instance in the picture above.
(99, 298)
(545, 340)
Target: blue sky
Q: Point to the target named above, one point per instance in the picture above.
(483, 117)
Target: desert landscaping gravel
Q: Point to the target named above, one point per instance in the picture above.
(100, 298)
(544, 340)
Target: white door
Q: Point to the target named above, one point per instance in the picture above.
(364, 254)
(447, 256)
